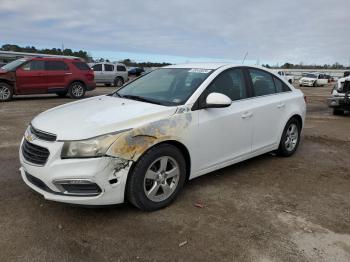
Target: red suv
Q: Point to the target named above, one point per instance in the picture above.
(43, 75)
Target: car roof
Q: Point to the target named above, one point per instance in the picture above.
(198, 65)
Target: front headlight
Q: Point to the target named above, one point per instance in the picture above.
(93, 147)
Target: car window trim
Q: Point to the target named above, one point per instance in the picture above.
(199, 101)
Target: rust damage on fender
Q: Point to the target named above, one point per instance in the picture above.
(132, 144)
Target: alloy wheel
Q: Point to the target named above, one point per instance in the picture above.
(77, 90)
(292, 136)
(161, 179)
(4, 93)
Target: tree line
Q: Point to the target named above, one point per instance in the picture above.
(302, 66)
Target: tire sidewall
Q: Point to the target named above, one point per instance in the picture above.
(117, 80)
(282, 150)
(135, 184)
(71, 90)
(10, 89)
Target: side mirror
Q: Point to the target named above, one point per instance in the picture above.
(217, 100)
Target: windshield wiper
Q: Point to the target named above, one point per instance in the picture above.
(140, 98)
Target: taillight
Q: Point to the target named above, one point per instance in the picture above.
(90, 75)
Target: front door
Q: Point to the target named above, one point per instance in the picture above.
(98, 73)
(226, 133)
(31, 78)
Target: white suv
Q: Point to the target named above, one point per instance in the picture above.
(110, 74)
(146, 140)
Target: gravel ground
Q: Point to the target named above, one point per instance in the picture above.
(264, 209)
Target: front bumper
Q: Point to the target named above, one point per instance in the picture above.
(106, 172)
(339, 102)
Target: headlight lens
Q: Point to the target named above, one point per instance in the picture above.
(94, 147)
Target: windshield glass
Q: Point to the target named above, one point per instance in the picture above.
(13, 64)
(165, 86)
(311, 76)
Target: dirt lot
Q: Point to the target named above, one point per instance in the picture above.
(264, 209)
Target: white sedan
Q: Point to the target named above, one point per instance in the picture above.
(313, 79)
(143, 142)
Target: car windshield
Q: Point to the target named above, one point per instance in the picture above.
(14, 64)
(311, 76)
(165, 86)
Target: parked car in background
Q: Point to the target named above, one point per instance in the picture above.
(110, 74)
(43, 75)
(346, 73)
(288, 77)
(144, 141)
(313, 79)
(340, 100)
(136, 71)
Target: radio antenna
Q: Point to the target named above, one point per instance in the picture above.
(245, 56)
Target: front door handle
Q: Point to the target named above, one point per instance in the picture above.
(68, 73)
(247, 115)
(281, 105)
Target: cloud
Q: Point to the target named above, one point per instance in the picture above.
(313, 31)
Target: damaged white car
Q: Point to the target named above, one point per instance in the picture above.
(313, 79)
(143, 142)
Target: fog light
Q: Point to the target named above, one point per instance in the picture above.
(78, 187)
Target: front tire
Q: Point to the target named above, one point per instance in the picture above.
(6, 92)
(290, 138)
(157, 178)
(77, 90)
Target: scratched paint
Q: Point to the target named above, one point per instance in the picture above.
(132, 144)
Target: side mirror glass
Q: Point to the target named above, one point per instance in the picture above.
(217, 100)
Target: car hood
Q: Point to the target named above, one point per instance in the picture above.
(98, 116)
(308, 79)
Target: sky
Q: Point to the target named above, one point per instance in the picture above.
(271, 31)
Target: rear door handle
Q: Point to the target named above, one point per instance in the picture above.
(281, 105)
(247, 115)
(68, 73)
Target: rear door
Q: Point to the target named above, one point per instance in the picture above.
(122, 72)
(269, 108)
(57, 73)
(108, 73)
(98, 73)
(31, 78)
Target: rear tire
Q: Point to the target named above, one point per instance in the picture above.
(118, 81)
(157, 178)
(338, 112)
(77, 90)
(6, 92)
(290, 138)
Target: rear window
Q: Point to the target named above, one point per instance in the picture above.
(56, 66)
(81, 65)
(121, 68)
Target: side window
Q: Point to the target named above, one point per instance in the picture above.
(97, 67)
(231, 83)
(109, 67)
(262, 82)
(56, 66)
(280, 86)
(121, 68)
(34, 65)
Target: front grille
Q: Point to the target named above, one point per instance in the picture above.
(34, 154)
(43, 135)
(82, 189)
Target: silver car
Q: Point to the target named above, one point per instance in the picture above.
(110, 74)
